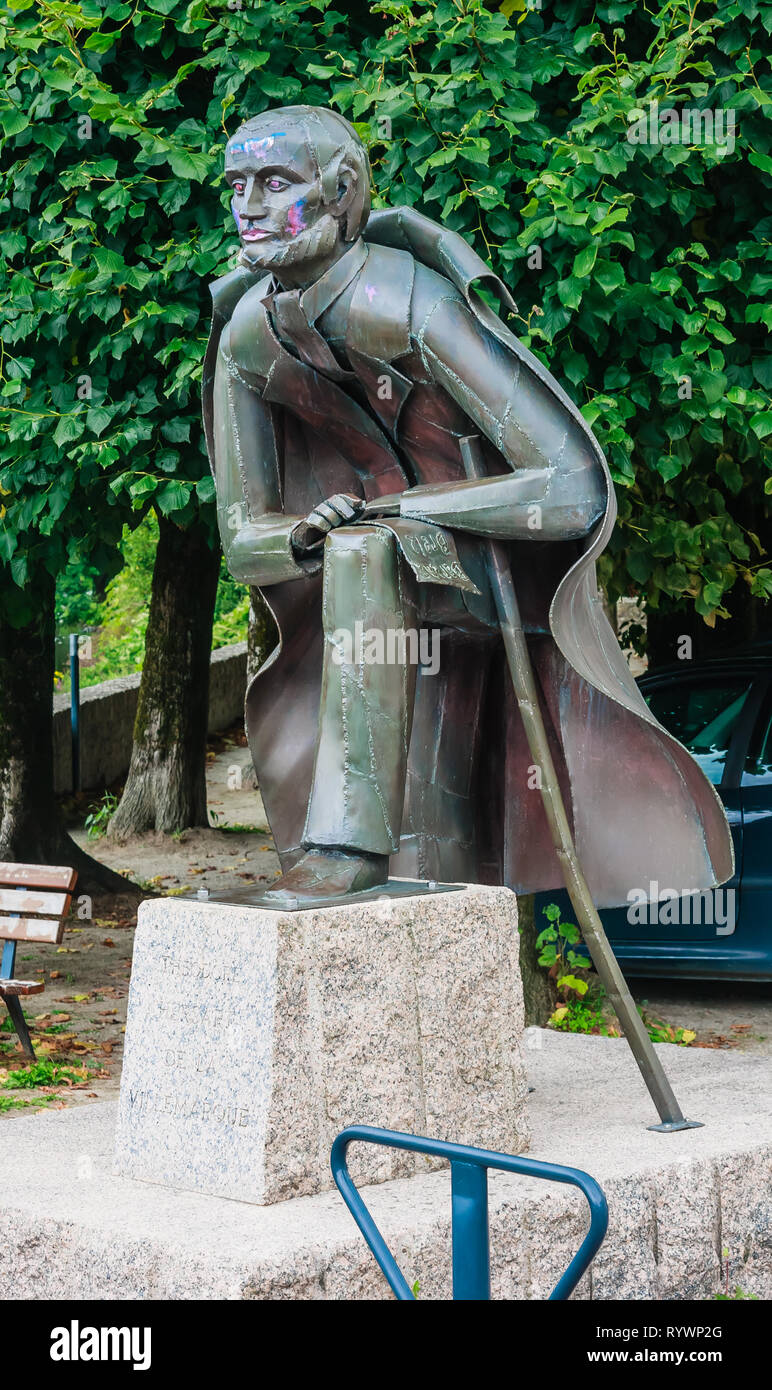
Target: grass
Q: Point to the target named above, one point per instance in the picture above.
(42, 1073)
(6, 1026)
(234, 827)
(585, 1015)
(13, 1103)
(664, 1032)
(577, 1016)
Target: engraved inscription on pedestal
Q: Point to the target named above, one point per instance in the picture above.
(195, 1087)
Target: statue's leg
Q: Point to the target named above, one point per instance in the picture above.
(367, 700)
(439, 830)
(440, 824)
(368, 687)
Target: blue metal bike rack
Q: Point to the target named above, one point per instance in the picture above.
(469, 1208)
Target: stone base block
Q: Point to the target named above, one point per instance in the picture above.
(255, 1036)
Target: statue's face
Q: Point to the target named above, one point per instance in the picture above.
(277, 197)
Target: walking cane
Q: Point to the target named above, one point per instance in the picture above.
(603, 958)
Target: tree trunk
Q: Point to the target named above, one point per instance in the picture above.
(262, 633)
(166, 786)
(539, 991)
(31, 828)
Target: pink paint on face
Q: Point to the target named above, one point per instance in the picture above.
(371, 292)
(295, 221)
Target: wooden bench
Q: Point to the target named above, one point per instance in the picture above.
(34, 901)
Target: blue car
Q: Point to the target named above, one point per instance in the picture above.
(721, 710)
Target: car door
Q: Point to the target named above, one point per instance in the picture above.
(706, 711)
(755, 918)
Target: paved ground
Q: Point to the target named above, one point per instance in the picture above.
(78, 1023)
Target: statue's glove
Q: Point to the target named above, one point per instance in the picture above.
(340, 510)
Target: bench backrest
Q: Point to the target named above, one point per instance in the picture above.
(34, 901)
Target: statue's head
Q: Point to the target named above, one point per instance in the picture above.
(301, 190)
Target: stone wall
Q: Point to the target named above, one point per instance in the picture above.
(107, 719)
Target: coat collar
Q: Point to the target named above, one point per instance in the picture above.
(318, 297)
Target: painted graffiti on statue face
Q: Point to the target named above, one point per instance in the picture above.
(277, 197)
(295, 220)
(257, 149)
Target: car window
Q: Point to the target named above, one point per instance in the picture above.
(758, 764)
(703, 716)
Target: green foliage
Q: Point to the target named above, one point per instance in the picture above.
(114, 221)
(231, 610)
(77, 600)
(121, 620)
(100, 815)
(555, 953)
(738, 1292)
(581, 996)
(665, 1032)
(656, 261)
(14, 1103)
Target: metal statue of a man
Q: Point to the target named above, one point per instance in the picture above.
(350, 356)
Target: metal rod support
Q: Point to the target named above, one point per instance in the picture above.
(603, 958)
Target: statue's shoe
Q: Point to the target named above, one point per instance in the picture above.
(325, 874)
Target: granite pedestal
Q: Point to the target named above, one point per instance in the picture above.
(254, 1036)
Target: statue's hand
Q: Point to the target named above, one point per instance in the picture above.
(340, 510)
